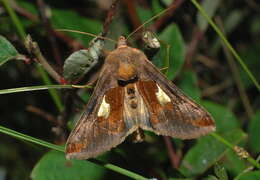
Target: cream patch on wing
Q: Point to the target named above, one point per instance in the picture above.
(104, 109)
(162, 97)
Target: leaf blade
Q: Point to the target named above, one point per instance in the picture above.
(7, 51)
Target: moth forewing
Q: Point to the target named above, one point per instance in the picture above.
(132, 93)
(181, 117)
(96, 131)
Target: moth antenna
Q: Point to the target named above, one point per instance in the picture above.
(86, 33)
(164, 68)
(149, 20)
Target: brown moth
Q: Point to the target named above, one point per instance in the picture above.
(132, 94)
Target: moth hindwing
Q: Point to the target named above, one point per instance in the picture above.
(132, 94)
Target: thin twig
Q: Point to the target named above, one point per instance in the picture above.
(174, 158)
(70, 42)
(42, 113)
(34, 49)
(236, 76)
(21, 31)
(14, 18)
(227, 43)
(151, 19)
(216, 88)
(130, 4)
(110, 15)
(207, 61)
(233, 147)
(192, 46)
(161, 21)
(23, 11)
(254, 5)
(75, 45)
(112, 167)
(47, 25)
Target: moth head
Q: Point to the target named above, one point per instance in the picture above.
(121, 42)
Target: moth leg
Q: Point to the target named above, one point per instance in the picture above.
(95, 73)
(93, 78)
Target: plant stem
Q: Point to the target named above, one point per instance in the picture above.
(226, 42)
(112, 167)
(53, 92)
(231, 146)
(22, 34)
(34, 88)
(34, 49)
(18, 135)
(235, 73)
(15, 19)
(119, 170)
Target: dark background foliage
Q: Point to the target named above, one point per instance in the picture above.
(199, 65)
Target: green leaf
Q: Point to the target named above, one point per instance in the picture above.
(65, 19)
(253, 132)
(207, 151)
(157, 8)
(255, 25)
(144, 13)
(167, 2)
(233, 19)
(225, 119)
(54, 166)
(220, 171)
(233, 163)
(253, 175)
(180, 179)
(189, 85)
(210, 178)
(210, 7)
(171, 54)
(7, 51)
(30, 7)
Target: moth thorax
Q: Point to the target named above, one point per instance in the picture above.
(126, 72)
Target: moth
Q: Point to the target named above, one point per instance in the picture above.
(132, 94)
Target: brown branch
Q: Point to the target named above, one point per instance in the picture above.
(75, 45)
(254, 5)
(47, 26)
(110, 15)
(33, 48)
(207, 61)
(42, 113)
(59, 124)
(210, 91)
(174, 158)
(192, 47)
(23, 11)
(130, 4)
(236, 76)
(161, 21)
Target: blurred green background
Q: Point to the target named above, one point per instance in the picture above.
(198, 63)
